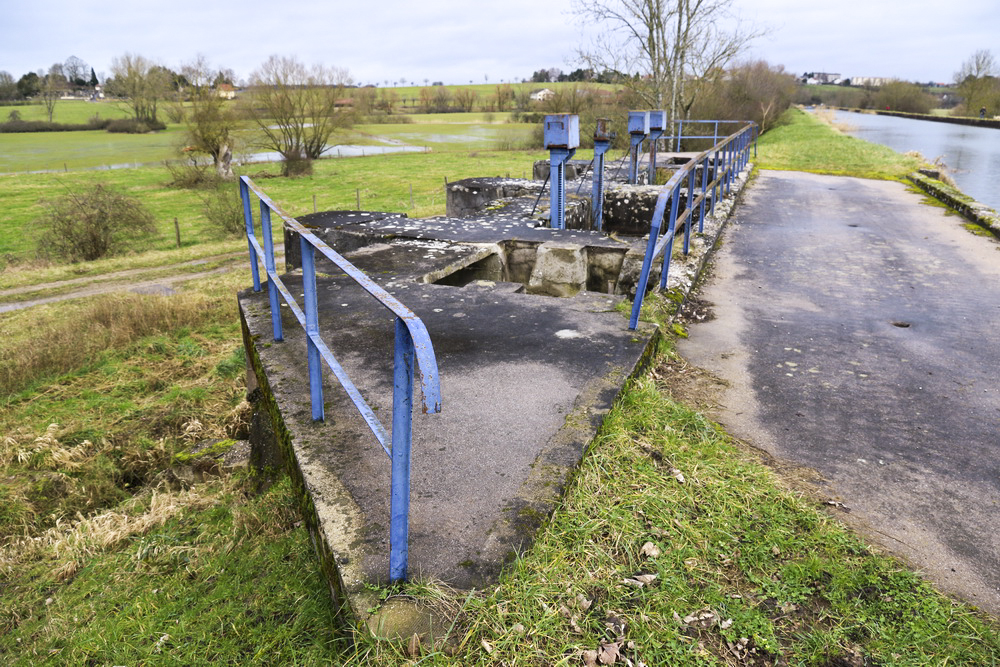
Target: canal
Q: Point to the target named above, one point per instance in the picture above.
(971, 154)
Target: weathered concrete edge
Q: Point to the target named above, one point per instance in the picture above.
(974, 211)
(332, 571)
(688, 286)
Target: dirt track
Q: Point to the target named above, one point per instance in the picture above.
(130, 280)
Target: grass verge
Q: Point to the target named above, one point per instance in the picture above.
(803, 142)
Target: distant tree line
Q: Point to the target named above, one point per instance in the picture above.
(579, 75)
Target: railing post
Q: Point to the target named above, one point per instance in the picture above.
(671, 230)
(272, 288)
(647, 261)
(248, 223)
(690, 213)
(729, 167)
(704, 187)
(312, 328)
(716, 180)
(402, 414)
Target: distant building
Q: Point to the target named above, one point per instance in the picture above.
(818, 78)
(542, 95)
(870, 81)
(225, 91)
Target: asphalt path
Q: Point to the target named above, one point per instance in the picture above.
(858, 330)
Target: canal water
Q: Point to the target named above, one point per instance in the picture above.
(971, 154)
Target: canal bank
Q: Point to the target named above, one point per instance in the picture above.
(970, 154)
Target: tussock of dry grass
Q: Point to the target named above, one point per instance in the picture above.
(56, 343)
(829, 116)
(68, 544)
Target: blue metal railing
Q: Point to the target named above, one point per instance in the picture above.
(709, 128)
(728, 157)
(411, 341)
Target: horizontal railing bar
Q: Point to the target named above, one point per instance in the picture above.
(426, 362)
(352, 391)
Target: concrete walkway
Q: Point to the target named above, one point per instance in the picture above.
(857, 329)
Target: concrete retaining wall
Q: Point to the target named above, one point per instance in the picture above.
(981, 214)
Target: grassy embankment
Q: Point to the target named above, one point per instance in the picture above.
(129, 567)
(806, 143)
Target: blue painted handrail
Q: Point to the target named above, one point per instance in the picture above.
(729, 157)
(411, 342)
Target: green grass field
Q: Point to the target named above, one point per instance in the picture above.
(68, 111)
(107, 558)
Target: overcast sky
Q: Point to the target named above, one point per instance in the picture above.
(461, 41)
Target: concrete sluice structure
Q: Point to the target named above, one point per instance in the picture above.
(529, 326)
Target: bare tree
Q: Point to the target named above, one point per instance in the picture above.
(977, 82)
(211, 119)
(141, 82)
(76, 71)
(465, 99)
(53, 87)
(295, 108)
(8, 87)
(664, 50)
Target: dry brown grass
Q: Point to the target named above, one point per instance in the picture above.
(39, 343)
(68, 544)
(829, 116)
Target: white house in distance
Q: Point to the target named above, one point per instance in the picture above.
(542, 95)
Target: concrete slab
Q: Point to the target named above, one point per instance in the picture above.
(526, 381)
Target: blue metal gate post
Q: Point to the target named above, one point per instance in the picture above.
(272, 287)
(638, 128)
(312, 329)
(657, 123)
(562, 137)
(602, 144)
(402, 419)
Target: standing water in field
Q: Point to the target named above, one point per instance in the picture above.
(971, 154)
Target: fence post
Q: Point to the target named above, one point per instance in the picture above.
(177, 231)
(402, 424)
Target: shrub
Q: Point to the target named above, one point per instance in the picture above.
(93, 223)
(14, 125)
(133, 126)
(190, 174)
(296, 165)
(224, 209)
(903, 96)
